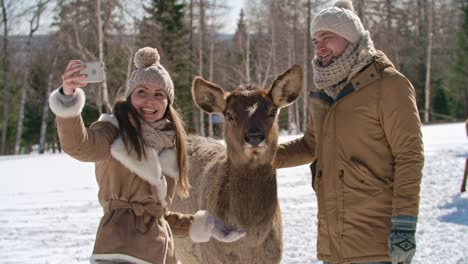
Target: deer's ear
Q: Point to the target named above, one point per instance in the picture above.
(208, 96)
(287, 87)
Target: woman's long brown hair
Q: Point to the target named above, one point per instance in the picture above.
(183, 185)
(130, 131)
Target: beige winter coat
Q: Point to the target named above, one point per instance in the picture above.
(368, 158)
(136, 225)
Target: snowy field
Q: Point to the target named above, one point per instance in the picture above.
(49, 211)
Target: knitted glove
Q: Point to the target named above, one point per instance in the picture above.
(402, 242)
(205, 226)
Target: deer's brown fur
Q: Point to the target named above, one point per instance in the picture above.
(237, 183)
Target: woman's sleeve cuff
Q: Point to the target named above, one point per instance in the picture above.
(67, 106)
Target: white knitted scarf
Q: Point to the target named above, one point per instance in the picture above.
(158, 135)
(333, 78)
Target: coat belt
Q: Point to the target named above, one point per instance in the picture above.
(140, 210)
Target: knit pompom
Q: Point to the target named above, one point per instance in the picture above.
(145, 57)
(345, 4)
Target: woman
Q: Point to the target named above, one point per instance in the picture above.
(140, 158)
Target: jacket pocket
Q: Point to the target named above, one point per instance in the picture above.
(368, 176)
(313, 168)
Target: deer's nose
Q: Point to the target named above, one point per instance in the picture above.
(254, 137)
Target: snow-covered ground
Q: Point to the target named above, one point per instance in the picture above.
(49, 211)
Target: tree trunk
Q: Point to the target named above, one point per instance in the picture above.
(131, 50)
(22, 103)
(6, 68)
(211, 73)
(291, 112)
(45, 108)
(465, 96)
(200, 58)
(465, 176)
(294, 56)
(33, 26)
(421, 57)
(247, 56)
(427, 103)
(105, 91)
(359, 10)
(195, 112)
(273, 38)
(261, 62)
(389, 31)
(307, 71)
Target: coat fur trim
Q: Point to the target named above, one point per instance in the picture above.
(97, 258)
(149, 170)
(199, 230)
(167, 157)
(64, 111)
(169, 164)
(153, 169)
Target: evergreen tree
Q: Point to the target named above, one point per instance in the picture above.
(237, 55)
(441, 102)
(241, 32)
(460, 70)
(165, 29)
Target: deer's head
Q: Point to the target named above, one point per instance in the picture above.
(250, 114)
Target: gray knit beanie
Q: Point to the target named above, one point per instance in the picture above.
(150, 71)
(339, 19)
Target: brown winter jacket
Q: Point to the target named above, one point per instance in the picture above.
(367, 154)
(136, 225)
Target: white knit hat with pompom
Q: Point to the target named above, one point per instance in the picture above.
(339, 19)
(150, 71)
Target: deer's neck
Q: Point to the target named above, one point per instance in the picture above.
(251, 195)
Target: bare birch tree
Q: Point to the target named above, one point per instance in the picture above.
(307, 68)
(45, 105)
(105, 90)
(359, 7)
(427, 102)
(83, 29)
(259, 42)
(33, 27)
(211, 59)
(215, 10)
(293, 111)
(195, 110)
(246, 56)
(201, 57)
(241, 52)
(273, 19)
(6, 69)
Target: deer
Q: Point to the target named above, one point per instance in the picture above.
(237, 182)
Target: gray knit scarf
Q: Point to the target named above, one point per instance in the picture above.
(333, 78)
(158, 135)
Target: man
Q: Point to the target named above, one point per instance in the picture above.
(364, 139)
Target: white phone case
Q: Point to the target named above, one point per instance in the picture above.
(94, 71)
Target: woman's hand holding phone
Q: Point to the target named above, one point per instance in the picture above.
(72, 78)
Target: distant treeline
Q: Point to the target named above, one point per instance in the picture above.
(427, 40)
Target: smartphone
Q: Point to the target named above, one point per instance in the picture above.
(94, 72)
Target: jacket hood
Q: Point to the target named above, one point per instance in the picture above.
(382, 61)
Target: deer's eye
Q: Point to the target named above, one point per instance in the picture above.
(228, 116)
